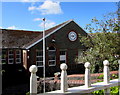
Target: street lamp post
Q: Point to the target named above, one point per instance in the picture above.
(44, 55)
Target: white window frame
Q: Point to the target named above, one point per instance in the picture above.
(52, 60)
(4, 59)
(9, 56)
(19, 54)
(39, 56)
(61, 56)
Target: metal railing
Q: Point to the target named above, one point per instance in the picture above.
(87, 88)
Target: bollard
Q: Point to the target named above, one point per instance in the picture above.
(87, 75)
(106, 76)
(64, 85)
(106, 71)
(33, 80)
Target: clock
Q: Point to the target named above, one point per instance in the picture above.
(72, 36)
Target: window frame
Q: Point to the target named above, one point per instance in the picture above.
(18, 57)
(39, 56)
(49, 60)
(4, 58)
(10, 55)
(65, 54)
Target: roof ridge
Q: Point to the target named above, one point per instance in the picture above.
(21, 30)
(59, 24)
(50, 31)
(37, 31)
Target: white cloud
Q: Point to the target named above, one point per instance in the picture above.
(30, 0)
(48, 24)
(12, 27)
(38, 19)
(48, 7)
(31, 8)
(0, 27)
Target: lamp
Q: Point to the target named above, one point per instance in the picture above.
(53, 40)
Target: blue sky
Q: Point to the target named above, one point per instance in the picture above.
(28, 15)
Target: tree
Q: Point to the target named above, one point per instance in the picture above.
(103, 42)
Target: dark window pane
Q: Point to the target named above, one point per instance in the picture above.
(4, 51)
(51, 57)
(18, 60)
(39, 59)
(18, 56)
(62, 62)
(11, 52)
(51, 48)
(62, 52)
(51, 62)
(52, 53)
(11, 56)
(39, 63)
(18, 52)
(39, 53)
(11, 61)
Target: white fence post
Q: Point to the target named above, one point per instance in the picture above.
(87, 75)
(33, 80)
(64, 85)
(106, 76)
(119, 75)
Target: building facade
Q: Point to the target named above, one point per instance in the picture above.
(62, 45)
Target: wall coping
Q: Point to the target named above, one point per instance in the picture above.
(83, 89)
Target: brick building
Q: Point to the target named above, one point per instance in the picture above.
(62, 46)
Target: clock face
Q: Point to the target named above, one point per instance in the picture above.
(72, 36)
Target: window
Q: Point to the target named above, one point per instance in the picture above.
(39, 58)
(52, 56)
(18, 56)
(10, 57)
(62, 56)
(4, 56)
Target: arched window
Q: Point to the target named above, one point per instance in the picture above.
(52, 56)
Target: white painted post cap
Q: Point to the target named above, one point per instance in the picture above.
(106, 62)
(63, 66)
(119, 61)
(33, 69)
(87, 65)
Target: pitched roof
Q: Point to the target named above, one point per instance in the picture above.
(26, 39)
(17, 38)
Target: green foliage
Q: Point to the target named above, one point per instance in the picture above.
(113, 91)
(100, 77)
(102, 42)
(99, 92)
(28, 93)
(114, 76)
